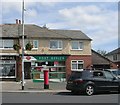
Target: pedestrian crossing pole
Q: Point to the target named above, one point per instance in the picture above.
(23, 45)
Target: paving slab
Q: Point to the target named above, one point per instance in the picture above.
(30, 86)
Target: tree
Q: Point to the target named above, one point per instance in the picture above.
(102, 52)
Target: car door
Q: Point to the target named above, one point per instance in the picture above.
(112, 82)
(100, 81)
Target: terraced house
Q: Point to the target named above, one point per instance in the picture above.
(60, 50)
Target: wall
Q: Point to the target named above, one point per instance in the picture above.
(86, 58)
(44, 48)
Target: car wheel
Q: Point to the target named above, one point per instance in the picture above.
(89, 90)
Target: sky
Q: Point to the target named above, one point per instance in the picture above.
(98, 20)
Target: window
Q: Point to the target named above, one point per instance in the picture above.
(7, 69)
(108, 75)
(1, 43)
(55, 44)
(115, 57)
(6, 44)
(98, 74)
(77, 45)
(35, 43)
(77, 65)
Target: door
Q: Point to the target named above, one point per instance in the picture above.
(27, 70)
(113, 82)
(100, 81)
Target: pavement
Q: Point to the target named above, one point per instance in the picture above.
(30, 86)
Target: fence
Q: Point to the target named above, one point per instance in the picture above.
(38, 76)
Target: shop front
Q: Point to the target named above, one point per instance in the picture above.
(55, 64)
(8, 67)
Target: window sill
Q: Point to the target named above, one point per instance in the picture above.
(77, 70)
(76, 49)
(6, 49)
(55, 49)
(34, 49)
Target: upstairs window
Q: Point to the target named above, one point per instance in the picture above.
(55, 44)
(77, 45)
(1, 43)
(33, 42)
(6, 44)
(115, 57)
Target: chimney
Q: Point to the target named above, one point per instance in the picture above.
(17, 21)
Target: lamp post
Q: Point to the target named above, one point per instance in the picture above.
(23, 45)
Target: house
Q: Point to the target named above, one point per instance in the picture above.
(114, 56)
(101, 62)
(60, 50)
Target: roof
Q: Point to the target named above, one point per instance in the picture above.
(99, 59)
(116, 51)
(34, 31)
(9, 30)
(73, 34)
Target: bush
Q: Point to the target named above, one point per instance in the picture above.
(16, 47)
(28, 46)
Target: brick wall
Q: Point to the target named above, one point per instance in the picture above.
(86, 58)
(19, 69)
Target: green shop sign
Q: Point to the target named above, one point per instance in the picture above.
(50, 58)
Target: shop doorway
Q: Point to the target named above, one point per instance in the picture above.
(27, 70)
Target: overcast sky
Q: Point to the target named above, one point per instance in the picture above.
(98, 20)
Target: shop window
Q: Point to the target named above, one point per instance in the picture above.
(55, 44)
(76, 45)
(7, 69)
(77, 65)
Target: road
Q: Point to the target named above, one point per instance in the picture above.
(62, 97)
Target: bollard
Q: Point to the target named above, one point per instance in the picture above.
(46, 79)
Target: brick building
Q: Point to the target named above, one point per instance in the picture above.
(60, 50)
(101, 62)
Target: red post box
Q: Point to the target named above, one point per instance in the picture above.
(46, 79)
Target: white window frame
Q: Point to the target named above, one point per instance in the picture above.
(3, 47)
(82, 62)
(33, 44)
(31, 41)
(58, 48)
(79, 46)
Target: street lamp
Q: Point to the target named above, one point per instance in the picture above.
(23, 45)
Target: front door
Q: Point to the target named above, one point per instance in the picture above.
(27, 70)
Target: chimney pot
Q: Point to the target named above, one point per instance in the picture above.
(19, 21)
(16, 21)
